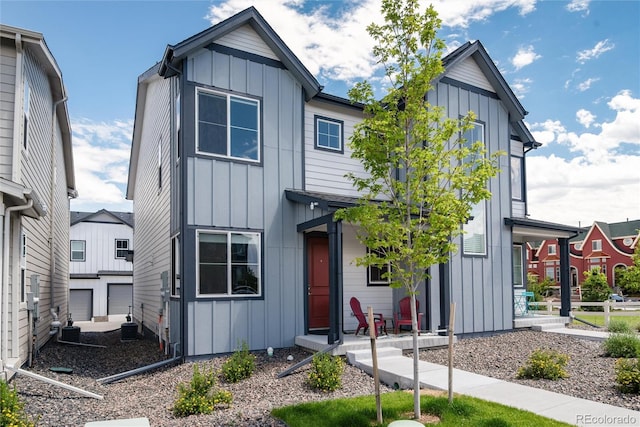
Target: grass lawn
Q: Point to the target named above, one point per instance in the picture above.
(361, 411)
(598, 319)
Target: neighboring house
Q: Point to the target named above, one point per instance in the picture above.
(604, 246)
(36, 182)
(237, 166)
(101, 271)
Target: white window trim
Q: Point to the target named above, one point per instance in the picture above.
(84, 251)
(518, 257)
(596, 245)
(228, 97)
(121, 249)
(552, 249)
(229, 293)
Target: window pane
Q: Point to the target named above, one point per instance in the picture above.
(328, 135)
(244, 143)
(245, 279)
(516, 178)
(517, 266)
(213, 248)
(244, 114)
(474, 241)
(245, 248)
(213, 279)
(212, 123)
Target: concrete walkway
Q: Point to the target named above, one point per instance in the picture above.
(394, 368)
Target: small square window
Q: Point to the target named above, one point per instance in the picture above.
(596, 245)
(378, 275)
(122, 247)
(78, 250)
(329, 134)
(552, 249)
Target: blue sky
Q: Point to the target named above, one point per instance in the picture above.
(575, 66)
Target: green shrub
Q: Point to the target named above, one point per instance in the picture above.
(326, 372)
(621, 345)
(595, 288)
(628, 375)
(619, 326)
(240, 365)
(200, 396)
(12, 408)
(544, 364)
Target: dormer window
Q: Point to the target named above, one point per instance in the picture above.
(552, 249)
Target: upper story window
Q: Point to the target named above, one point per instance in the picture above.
(329, 134)
(78, 250)
(229, 264)
(552, 249)
(516, 178)
(596, 245)
(228, 125)
(475, 237)
(122, 248)
(26, 106)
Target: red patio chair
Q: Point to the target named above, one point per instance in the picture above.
(403, 318)
(378, 318)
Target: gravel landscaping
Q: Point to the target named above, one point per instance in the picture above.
(152, 394)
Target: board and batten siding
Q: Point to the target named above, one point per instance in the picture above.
(325, 170)
(7, 105)
(481, 285)
(152, 206)
(100, 246)
(224, 194)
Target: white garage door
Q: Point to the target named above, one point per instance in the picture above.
(120, 297)
(81, 304)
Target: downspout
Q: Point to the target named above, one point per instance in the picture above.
(52, 209)
(4, 295)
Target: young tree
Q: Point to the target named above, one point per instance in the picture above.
(595, 288)
(422, 177)
(629, 278)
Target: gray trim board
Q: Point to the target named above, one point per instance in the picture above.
(245, 55)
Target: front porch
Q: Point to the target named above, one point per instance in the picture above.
(363, 342)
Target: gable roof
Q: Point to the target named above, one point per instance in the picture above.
(174, 54)
(122, 217)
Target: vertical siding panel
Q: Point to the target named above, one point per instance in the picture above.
(203, 202)
(254, 79)
(238, 75)
(220, 76)
(220, 327)
(202, 317)
(221, 186)
(200, 68)
(239, 195)
(255, 202)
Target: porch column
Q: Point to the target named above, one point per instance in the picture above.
(565, 284)
(334, 230)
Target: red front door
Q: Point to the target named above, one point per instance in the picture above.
(318, 278)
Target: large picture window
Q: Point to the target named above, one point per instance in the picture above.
(475, 237)
(78, 250)
(228, 126)
(229, 264)
(329, 134)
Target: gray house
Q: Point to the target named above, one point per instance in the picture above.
(237, 165)
(36, 182)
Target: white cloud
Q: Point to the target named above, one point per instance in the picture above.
(600, 48)
(336, 46)
(585, 118)
(521, 86)
(586, 85)
(579, 6)
(525, 56)
(101, 160)
(601, 182)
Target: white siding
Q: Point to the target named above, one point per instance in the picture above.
(469, 72)
(100, 251)
(151, 206)
(246, 39)
(324, 170)
(355, 283)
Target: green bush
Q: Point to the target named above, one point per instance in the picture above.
(12, 408)
(200, 396)
(544, 364)
(595, 288)
(621, 345)
(539, 289)
(240, 365)
(619, 326)
(628, 375)
(326, 372)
